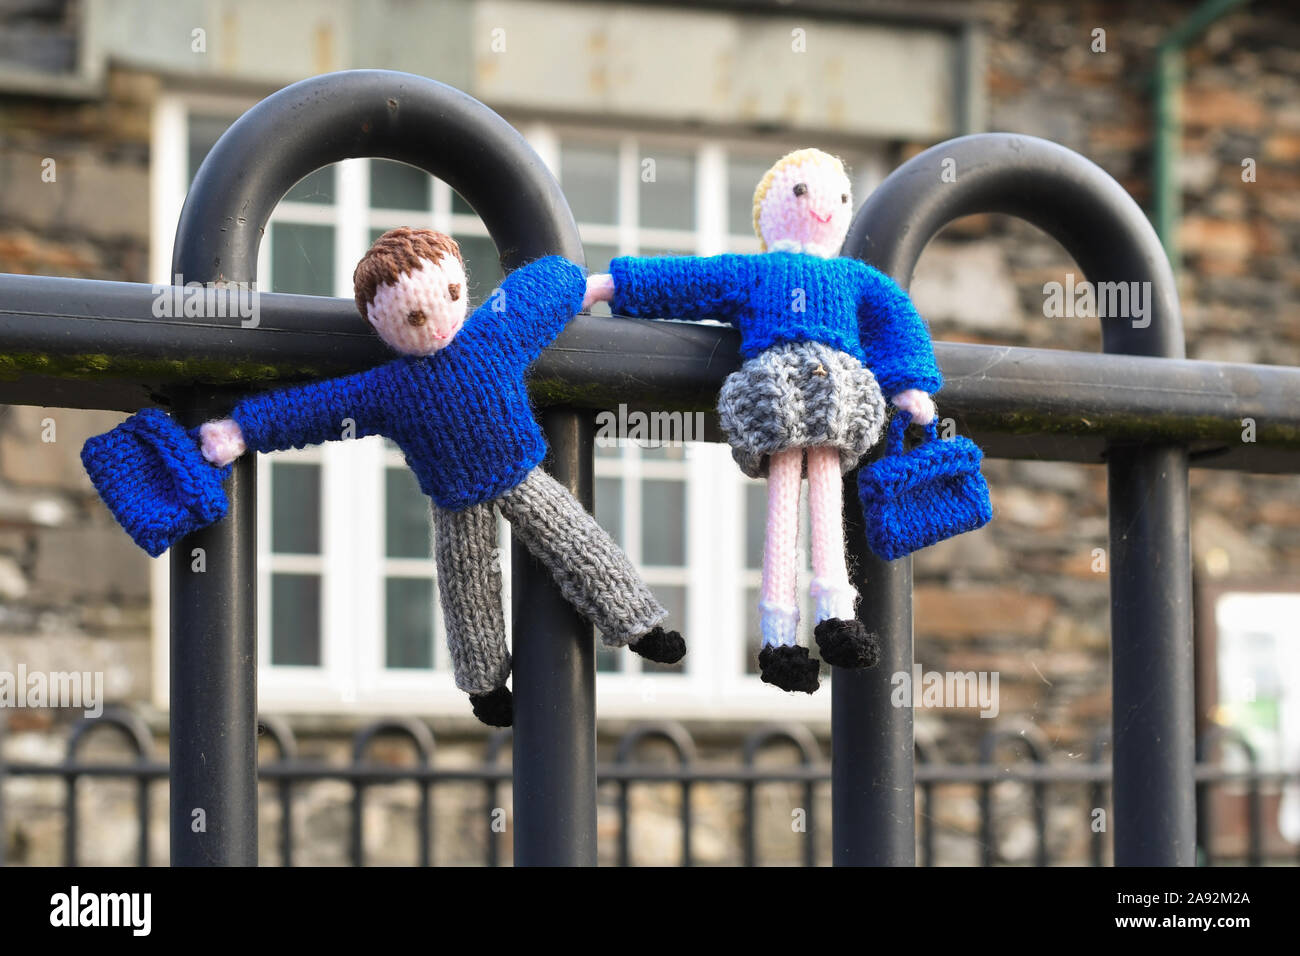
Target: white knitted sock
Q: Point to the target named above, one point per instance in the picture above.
(779, 623)
(833, 598)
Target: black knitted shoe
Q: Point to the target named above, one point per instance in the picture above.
(789, 667)
(496, 708)
(847, 643)
(660, 646)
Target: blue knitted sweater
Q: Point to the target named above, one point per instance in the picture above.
(775, 297)
(462, 415)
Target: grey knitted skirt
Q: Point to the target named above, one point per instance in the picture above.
(800, 394)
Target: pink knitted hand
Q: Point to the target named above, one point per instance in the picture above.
(600, 288)
(917, 404)
(223, 441)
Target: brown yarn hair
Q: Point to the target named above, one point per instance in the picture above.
(399, 251)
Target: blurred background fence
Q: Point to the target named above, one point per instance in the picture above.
(392, 800)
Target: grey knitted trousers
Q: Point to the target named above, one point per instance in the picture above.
(593, 573)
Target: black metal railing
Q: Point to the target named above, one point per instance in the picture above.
(1141, 408)
(1041, 775)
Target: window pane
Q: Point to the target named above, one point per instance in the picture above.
(743, 176)
(589, 174)
(673, 598)
(295, 620)
(317, 187)
(399, 186)
(609, 506)
(302, 258)
(406, 516)
(204, 131)
(408, 620)
(483, 266)
(667, 194)
(663, 518)
(753, 637)
(295, 508)
(755, 523)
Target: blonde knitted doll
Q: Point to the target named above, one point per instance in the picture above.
(822, 336)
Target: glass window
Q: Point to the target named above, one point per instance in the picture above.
(589, 175)
(609, 506)
(663, 522)
(409, 610)
(407, 532)
(743, 176)
(295, 620)
(302, 258)
(295, 508)
(317, 187)
(755, 523)
(399, 186)
(667, 189)
(204, 131)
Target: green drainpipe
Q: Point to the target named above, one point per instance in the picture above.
(1169, 130)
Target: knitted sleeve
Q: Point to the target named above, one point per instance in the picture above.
(680, 287)
(352, 406)
(527, 311)
(894, 337)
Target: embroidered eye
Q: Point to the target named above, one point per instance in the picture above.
(415, 317)
(844, 197)
(453, 291)
(800, 188)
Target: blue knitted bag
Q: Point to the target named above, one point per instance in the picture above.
(153, 477)
(911, 500)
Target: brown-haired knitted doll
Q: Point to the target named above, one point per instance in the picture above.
(457, 405)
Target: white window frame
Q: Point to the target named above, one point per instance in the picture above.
(714, 686)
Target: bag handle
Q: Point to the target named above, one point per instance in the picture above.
(898, 427)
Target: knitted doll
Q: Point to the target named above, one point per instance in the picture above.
(821, 336)
(457, 405)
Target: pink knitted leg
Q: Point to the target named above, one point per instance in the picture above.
(831, 589)
(778, 607)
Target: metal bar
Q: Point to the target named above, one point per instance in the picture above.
(306, 126)
(70, 815)
(555, 684)
(142, 819)
(810, 824)
(213, 682)
(1017, 402)
(1151, 657)
(1081, 206)
(624, 823)
(872, 772)
(496, 743)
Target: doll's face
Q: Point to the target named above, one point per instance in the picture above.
(809, 202)
(421, 311)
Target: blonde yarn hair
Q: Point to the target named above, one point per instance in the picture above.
(808, 154)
